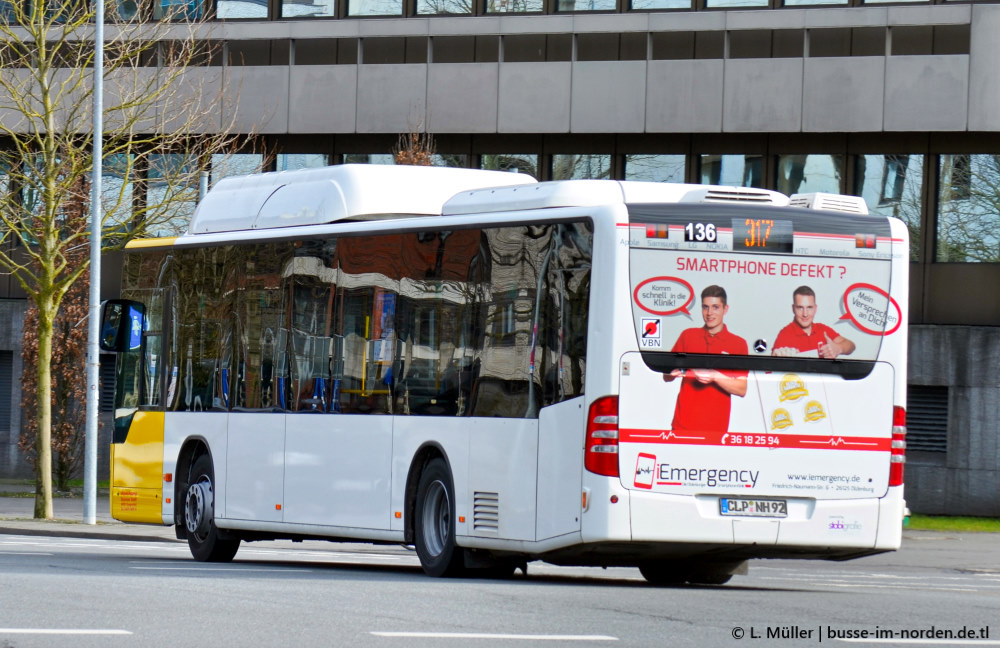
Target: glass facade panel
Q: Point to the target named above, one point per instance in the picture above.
(735, 4)
(453, 160)
(515, 6)
(368, 158)
(117, 189)
(661, 4)
(310, 9)
(655, 168)
(732, 170)
(445, 6)
(235, 9)
(295, 161)
(809, 173)
(581, 167)
(224, 165)
(968, 221)
(801, 3)
(586, 5)
(892, 185)
(171, 192)
(375, 7)
(513, 162)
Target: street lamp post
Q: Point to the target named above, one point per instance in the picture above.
(93, 332)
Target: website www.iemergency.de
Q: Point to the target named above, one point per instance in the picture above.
(820, 482)
(828, 479)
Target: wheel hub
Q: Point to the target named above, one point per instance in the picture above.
(199, 508)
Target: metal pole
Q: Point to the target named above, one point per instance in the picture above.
(93, 332)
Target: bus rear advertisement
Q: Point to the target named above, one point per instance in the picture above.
(677, 378)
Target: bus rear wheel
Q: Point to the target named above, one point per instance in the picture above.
(434, 523)
(206, 542)
(663, 572)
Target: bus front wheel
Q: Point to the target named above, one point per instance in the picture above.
(434, 523)
(206, 542)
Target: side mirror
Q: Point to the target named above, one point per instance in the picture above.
(122, 323)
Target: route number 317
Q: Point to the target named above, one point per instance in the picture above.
(700, 232)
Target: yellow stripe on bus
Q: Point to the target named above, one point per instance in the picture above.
(136, 244)
(137, 471)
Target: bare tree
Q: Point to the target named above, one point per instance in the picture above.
(162, 124)
(414, 148)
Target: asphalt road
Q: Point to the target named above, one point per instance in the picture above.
(117, 593)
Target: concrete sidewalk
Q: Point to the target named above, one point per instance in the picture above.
(17, 506)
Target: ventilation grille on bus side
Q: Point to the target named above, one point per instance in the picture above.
(830, 202)
(738, 196)
(486, 513)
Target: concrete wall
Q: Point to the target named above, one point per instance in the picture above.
(966, 479)
(942, 93)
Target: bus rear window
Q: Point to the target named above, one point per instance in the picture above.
(787, 285)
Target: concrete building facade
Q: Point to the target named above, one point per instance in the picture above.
(893, 102)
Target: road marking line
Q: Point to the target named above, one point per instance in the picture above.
(58, 631)
(483, 635)
(25, 553)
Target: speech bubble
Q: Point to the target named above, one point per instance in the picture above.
(871, 309)
(664, 296)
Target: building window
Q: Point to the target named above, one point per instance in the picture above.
(375, 8)
(801, 3)
(581, 167)
(514, 6)
(182, 10)
(295, 161)
(452, 160)
(239, 164)
(968, 207)
(236, 9)
(444, 7)
(892, 185)
(735, 4)
(809, 173)
(587, 5)
(732, 170)
(368, 158)
(117, 188)
(310, 9)
(171, 192)
(639, 5)
(512, 162)
(655, 168)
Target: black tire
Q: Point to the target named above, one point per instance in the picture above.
(206, 542)
(664, 572)
(710, 577)
(712, 574)
(434, 522)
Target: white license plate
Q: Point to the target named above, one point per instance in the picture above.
(753, 507)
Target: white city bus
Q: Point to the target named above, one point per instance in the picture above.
(672, 377)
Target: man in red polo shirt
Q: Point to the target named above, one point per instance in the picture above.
(804, 335)
(703, 404)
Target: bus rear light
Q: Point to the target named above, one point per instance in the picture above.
(601, 453)
(897, 452)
